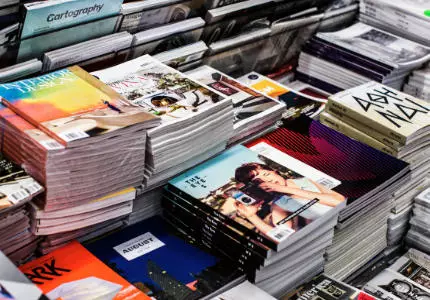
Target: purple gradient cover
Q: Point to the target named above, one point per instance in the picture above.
(359, 167)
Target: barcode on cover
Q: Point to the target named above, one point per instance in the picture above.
(34, 188)
(52, 145)
(281, 232)
(19, 196)
(327, 183)
(73, 135)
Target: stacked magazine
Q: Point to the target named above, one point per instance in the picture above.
(164, 263)
(334, 61)
(196, 123)
(109, 207)
(419, 233)
(253, 112)
(418, 84)
(323, 287)
(296, 102)
(145, 14)
(258, 206)
(407, 278)
(75, 135)
(146, 205)
(16, 189)
(24, 69)
(409, 18)
(184, 58)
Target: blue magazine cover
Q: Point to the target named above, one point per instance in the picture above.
(42, 17)
(161, 264)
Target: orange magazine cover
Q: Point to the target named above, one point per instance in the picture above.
(70, 105)
(72, 272)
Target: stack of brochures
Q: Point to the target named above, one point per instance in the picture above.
(253, 111)
(334, 61)
(17, 188)
(418, 84)
(75, 135)
(409, 18)
(196, 123)
(406, 277)
(419, 233)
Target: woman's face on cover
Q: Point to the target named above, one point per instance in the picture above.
(268, 176)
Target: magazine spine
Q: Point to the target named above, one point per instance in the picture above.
(248, 232)
(356, 134)
(201, 230)
(340, 110)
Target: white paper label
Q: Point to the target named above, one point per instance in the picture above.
(52, 145)
(139, 246)
(280, 232)
(73, 135)
(34, 188)
(19, 196)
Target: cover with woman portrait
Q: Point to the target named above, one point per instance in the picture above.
(262, 189)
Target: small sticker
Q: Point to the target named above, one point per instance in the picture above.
(280, 232)
(52, 145)
(19, 196)
(73, 135)
(427, 13)
(139, 246)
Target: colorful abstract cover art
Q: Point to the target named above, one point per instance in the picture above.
(158, 88)
(263, 189)
(161, 264)
(326, 288)
(246, 101)
(70, 105)
(359, 167)
(72, 272)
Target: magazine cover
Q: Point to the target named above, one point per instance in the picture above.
(70, 105)
(392, 285)
(159, 89)
(359, 167)
(247, 102)
(151, 18)
(244, 291)
(42, 17)
(296, 102)
(72, 272)
(263, 189)
(414, 265)
(16, 186)
(323, 287)
(379, 45)
(386, 110)
(161, 264)
(14, 285)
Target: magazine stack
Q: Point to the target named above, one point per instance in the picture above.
(246, 189)
(190, 113)
(419, 234)
(407, 278)
(163, 262)
(73, 149)
(418, 84)
(407, 18)
(335, 61)
(146, 205)
(253, 112)
(17, 189)
(326, 288)
(394, 123)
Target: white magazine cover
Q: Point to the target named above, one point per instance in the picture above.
(418, 8)
(376, 44)
(244, 291)
(160, 89)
